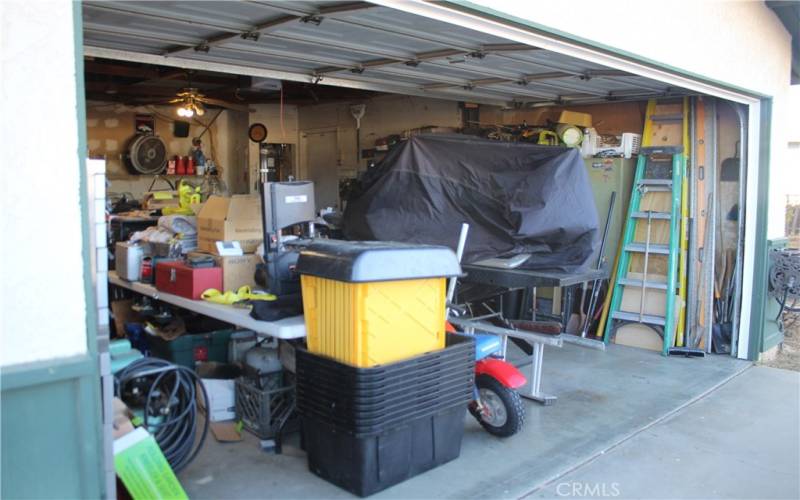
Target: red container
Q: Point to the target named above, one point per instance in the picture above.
(180, 165)
(179, 279)
(189, 165)
(146, 271)
(200, 353)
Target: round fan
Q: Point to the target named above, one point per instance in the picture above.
(147, 154)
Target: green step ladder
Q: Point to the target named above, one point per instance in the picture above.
(658, 169)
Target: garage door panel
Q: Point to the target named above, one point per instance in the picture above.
(389, 50)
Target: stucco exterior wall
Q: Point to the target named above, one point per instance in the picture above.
(741, 43)
(42, 301)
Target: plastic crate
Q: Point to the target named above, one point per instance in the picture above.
(187, 349)
(263, 411)
(371, 303)
(336, 405)
(459, 351)
(400, 394)
(367, 399)
(364, 464)
(342, 319)
(376, 424)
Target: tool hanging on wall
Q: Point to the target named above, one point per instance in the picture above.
(358, 110)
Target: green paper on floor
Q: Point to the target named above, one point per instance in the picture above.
(143, 469)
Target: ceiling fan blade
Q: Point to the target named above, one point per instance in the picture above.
(227, 104)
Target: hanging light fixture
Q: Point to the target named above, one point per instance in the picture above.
(189, 102)
(185, 111)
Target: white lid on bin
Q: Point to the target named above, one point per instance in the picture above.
(366, 261)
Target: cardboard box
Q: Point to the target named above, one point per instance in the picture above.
(221, 398)
(237, 218)
(574, 118)
(123, 313)
(237, 271)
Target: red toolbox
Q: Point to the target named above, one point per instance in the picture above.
(179, 279)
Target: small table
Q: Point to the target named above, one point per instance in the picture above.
(287, 328)
(524, 278)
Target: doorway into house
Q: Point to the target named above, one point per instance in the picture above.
(319, 149)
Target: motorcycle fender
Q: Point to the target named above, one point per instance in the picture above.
(503, 371)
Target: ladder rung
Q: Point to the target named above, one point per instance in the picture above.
(645, 318)
(660, 150)
(678, 117)
(647, 284)
(655, 182)
(653, 215)
(641, 247)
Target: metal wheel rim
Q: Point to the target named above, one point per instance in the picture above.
(494, 411)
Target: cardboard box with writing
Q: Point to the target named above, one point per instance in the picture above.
(237, 270)
(219, 380)
(237, 218)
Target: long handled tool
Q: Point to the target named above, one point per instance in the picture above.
(589, 316)
(451, 287)
(600, 261)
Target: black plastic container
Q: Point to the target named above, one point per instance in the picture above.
(369, 399)
(366, 429)
(366, 399)
(363, 426)
(365, 463)
(399, 397)
(335, 374)
(458, 354)
(354, 417)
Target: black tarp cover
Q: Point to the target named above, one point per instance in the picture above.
(517, 198)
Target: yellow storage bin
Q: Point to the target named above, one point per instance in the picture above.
(372, 303)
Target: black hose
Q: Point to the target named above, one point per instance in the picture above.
(172, 394)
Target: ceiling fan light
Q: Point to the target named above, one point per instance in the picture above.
(188, 113)
(181, 111)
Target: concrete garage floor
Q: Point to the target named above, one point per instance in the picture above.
(658, 427)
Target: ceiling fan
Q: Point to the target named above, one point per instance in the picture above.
(191, 102)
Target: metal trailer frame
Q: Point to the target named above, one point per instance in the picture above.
(533, 388)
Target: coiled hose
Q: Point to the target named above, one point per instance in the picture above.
(170, 405)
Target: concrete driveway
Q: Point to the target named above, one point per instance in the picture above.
(628, 423)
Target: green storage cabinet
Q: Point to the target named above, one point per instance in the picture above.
(181, 350)
(606, 176)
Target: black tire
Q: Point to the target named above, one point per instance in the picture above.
(511, 403)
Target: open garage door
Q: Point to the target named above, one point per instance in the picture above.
(434, 50)
(360, 45)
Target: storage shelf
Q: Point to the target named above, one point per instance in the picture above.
(134, 177)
